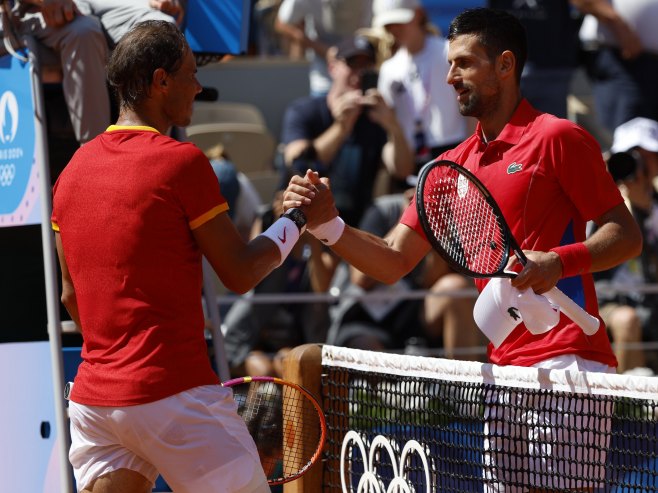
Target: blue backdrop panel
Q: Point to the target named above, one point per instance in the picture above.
(218, 26)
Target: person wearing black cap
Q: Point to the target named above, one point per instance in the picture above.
(347, 134)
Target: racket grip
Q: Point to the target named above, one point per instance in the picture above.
(588, 323)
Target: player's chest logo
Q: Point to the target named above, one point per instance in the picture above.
(514, 168)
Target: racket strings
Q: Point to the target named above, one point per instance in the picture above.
(283, 423)
(463, 223)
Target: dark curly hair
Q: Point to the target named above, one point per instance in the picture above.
(146, 47)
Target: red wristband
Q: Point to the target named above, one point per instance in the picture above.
(575, 259)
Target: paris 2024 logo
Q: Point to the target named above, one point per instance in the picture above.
(16, 149)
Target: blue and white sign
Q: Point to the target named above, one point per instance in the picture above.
(19, 173)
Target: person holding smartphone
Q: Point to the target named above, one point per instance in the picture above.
(348, 134)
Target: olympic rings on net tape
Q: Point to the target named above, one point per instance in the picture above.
(369, 481)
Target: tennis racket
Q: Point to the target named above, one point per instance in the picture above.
(285, 421)
(466, 227)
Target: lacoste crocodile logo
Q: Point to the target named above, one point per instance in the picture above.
(514, 168)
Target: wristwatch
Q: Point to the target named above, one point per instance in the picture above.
(298, 217)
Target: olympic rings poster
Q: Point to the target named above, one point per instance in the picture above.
(19, 159)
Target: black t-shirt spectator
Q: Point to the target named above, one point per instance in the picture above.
(353, 170)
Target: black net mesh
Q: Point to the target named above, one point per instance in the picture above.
(442, 435)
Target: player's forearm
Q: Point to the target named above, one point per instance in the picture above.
(249, 266)
(618, 239)
(372, 255)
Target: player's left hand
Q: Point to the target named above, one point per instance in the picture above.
(541, 273)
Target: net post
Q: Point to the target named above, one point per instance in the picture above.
(303, 366)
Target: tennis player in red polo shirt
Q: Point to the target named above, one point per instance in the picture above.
(133, 212)
(548, 176)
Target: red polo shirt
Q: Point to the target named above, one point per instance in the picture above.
(125, 207)
(549, 178)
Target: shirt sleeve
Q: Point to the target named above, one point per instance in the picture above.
(198, 190)
(581, 171)
(53, 216)
(410, 218)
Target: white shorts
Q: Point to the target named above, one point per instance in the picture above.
(194, 439)
(545, 440)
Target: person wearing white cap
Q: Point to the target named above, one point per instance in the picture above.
(631, 316)
(640, 134)
(548, 177)
(412, 81)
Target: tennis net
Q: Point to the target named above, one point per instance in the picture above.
(414, 424)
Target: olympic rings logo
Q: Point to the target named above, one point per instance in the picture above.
(7, 174)
(370, 482)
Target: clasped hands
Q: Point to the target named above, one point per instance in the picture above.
(313, 196)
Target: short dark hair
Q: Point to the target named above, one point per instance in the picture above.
(497, 30)
(146, 47)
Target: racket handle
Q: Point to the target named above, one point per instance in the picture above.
(588, 323)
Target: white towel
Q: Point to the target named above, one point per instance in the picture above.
(501, 307)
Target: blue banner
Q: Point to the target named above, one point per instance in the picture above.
(218, 26)
(19, 173)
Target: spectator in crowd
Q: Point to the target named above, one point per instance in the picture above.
(553, 49)
(413, 80)
(133, 213)
(317, 25)
(119, 16)
(79, 43)
(632, 316)
(438, 321)
(347, 135)
(264, 40)
(620, 42)
(557, 184)
(258, 335)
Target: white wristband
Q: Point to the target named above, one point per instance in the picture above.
(284, 233)
(329, 232)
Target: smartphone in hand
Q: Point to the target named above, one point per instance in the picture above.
(369, 80)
